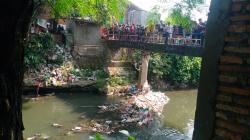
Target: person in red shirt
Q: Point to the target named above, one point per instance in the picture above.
(132, 29)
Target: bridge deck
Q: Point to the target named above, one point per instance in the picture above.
(184, 50)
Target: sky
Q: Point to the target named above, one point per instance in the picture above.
(149, 4)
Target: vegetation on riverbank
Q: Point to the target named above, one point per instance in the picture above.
(172, 71)
(175, 70)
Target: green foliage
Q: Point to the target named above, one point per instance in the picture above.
(37, 49)
(87, 72)
(153, 18)
(159, 65)
(131, 138)
(172, 68)
(186, 5)
(98, 137)
(175, 69)
(97, 10)
(184, 70)
(100, 74)
(180, 13)
(75, 72)
(191, 4)
(177, 17)
(118, 81)
(101, 83)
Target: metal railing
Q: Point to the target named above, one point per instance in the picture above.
(156, 39)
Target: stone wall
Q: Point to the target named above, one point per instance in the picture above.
(119, 62)
(232, 120)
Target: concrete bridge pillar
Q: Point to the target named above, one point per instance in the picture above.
(143, 74)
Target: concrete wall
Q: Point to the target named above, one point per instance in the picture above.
(223, 105)
(88, 48)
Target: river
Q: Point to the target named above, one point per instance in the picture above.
(66, 109)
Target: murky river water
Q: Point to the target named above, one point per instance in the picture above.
(66, 109)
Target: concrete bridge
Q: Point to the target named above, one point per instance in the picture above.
(178, 46)
(182, 50)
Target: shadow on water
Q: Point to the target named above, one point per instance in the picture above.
(87, 103)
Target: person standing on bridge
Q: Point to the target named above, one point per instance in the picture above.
(201, 29)
(160, 31)
(168, 30)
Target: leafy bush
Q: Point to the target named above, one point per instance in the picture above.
(37, 49)
(118, 81)
(76, 72)
(175, 69)
(86, 72)
(100, 137)
(100, 74)
(172, 68)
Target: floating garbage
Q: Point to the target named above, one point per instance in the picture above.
(39, 137)
(57, 125)
(125, 132)
(108, 122)
(69, 133)
(31, 138)
(77, 129)
(108, 108)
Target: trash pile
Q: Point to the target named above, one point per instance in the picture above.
(154, 101)
(123, 90)
(134, 114)
(52, 74)
(128, 115)
(146, 99)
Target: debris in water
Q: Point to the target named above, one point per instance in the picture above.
(125, 132)
(31, 138)
(69, 133)
(39, 137)
(77, 129)
(57, 125)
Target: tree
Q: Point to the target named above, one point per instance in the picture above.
(14, 26)
(180, 13)
(15, 18)
(97, 10)
(177, 17)
(153, 18)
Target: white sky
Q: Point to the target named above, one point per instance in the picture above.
(149, 4)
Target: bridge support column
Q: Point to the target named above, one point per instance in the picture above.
(143, 74)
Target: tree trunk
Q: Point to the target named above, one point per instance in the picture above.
(15, 17)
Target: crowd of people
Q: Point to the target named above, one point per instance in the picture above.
(160, 33)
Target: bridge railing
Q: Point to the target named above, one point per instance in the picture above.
(156, 39)
(184, 41)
